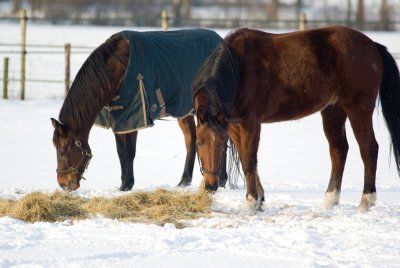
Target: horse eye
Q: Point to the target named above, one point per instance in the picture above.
(64, 147)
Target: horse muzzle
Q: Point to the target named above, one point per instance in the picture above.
(211, 186)
(69, 182)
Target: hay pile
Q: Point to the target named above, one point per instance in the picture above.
(159, 206)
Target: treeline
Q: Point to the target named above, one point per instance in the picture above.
(181, 11)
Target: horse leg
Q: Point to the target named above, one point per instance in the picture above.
(223, 175)
(333, 119)
(364, 133)
(246, 139)
(126, 148)
(188, 128)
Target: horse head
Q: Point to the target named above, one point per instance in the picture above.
(211, 136)
(73, 156)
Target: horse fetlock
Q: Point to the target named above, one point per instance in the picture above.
(185, 181)
(127, 185)
(331, 199)
(255, 203)
(367, 201)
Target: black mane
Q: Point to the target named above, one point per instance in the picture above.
(90, 86)
(218, 77)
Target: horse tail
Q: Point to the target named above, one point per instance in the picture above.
(234, 168)
(390, 100)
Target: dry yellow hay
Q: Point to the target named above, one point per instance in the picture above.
(159, 206)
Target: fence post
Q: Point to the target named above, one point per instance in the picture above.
(67, 49)
(5, 79)
(164, 20)
(302, 21)
(23, 51)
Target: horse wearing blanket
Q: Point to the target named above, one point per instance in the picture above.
(127, 83)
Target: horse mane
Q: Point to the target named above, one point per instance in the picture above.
(218, 78)
(91, 84)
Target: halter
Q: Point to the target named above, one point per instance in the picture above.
(77, 170)
(206, 171)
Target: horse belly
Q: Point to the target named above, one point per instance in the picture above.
(294, 106)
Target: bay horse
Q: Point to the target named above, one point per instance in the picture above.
(255, 77)
(98, 83)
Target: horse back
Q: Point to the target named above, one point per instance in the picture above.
(297, 74)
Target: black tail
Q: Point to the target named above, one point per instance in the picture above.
(390, 100)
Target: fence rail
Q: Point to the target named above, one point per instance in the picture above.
(156, 21)
(41, 49)
(77, 49)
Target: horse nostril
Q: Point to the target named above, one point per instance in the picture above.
(62, 185)
(211, 187)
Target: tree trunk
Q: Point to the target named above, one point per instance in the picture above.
(176, 11)
(299, 7)
(360, 14)
(272, 9)
(385, 15)
(15, 6)
(186, 8)
(348, 15)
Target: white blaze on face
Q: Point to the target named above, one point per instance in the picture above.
(213, 136)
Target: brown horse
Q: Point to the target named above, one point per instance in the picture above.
(256, 77)
(97, 84)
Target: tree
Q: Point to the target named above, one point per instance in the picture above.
(360, 14)
(348, 15)
(186, 8)
(15, 6)
(272, 9)
(299, 7)
(385, 15)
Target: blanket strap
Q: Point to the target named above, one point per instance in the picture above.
(161, 103)
(114, 108)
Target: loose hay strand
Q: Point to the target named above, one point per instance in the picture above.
(159, 207)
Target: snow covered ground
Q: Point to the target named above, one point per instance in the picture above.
(294, 166)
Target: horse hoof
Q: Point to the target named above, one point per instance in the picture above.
(255, 204)
(331, 199)
(184, 183)
(126, 187)
(367, 201)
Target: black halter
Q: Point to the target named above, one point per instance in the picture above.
(206, 171)
(81, 167)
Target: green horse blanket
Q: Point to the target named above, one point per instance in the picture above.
(158, 79)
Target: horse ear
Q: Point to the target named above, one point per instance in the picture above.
(200, 106)
(201, 114)
(58, 126)
(221, 115)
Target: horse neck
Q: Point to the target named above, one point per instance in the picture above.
(84, 112)
(95, 85)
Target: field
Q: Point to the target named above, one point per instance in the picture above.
(294, 166)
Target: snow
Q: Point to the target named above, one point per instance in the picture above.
(293, 230)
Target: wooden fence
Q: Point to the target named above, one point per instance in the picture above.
(33, 49)
(23, 49)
